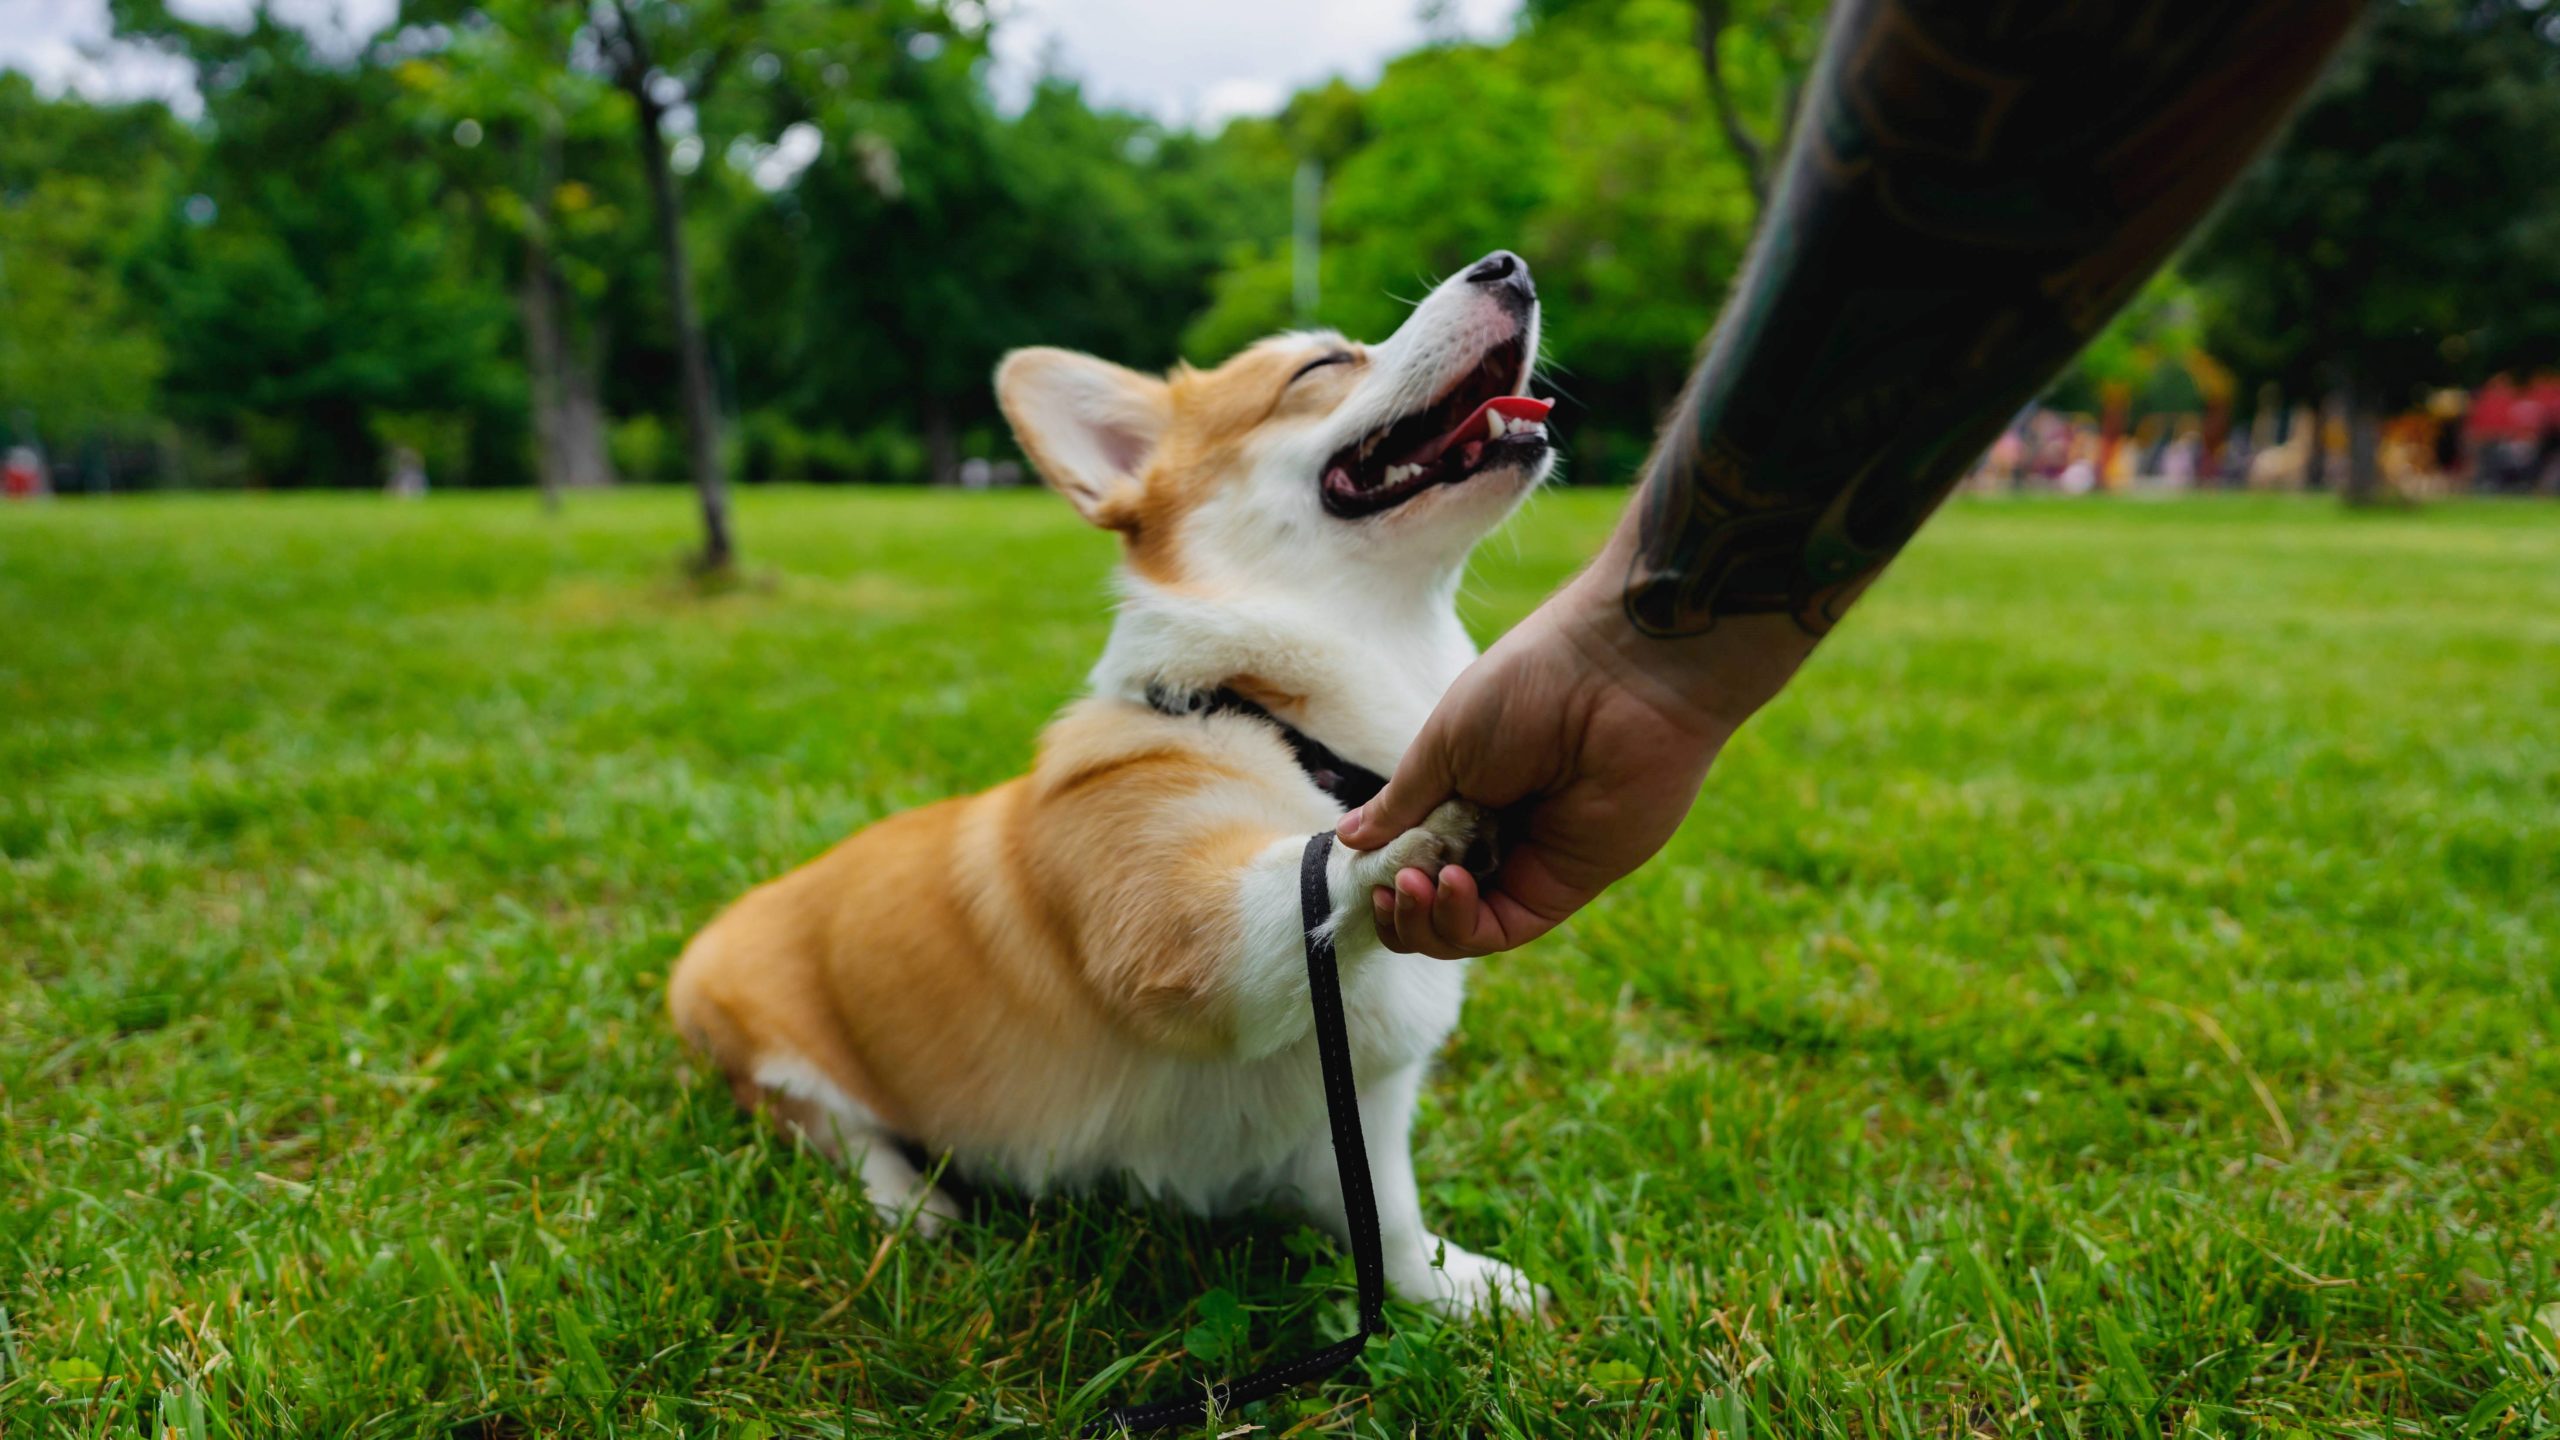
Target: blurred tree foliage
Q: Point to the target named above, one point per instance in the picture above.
(533, 173)
(678, 62)
(312, 288)
(1587, 143)
(466, 235)
(2407, 233)
(79, 188)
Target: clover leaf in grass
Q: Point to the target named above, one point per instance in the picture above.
(1221, 1329)
(1615, 1374)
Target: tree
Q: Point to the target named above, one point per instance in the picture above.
(681, 58)
(1555, 144)
(932, 233)
(403, 242)
(666, 56)
(80, 186)
(1768, 52)
(507, 77)
(896, 250)
(2401, 236)
(1753, 63)
(316, 302)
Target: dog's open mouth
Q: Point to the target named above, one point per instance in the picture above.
(1477, 424)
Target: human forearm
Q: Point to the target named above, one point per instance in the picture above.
(1975, 190)
(1977, 185)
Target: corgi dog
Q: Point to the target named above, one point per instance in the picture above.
(1095, 970)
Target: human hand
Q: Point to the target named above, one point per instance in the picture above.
(1591, 738)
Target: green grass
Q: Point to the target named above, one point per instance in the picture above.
(2111, 994)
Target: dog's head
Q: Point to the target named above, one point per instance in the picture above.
(1308, 460)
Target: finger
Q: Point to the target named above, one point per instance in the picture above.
(1421, 781)
(1450, 917)
(1444, 918)
(1443, 925)
(1404, 921)
(1487, 924)
(1456, 914)
(1526, 900)
(1420, 926)
(1412, 905)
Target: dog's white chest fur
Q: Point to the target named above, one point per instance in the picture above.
(1216, 1135)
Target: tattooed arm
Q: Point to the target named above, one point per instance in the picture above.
(1976, 186)
(1981, 186)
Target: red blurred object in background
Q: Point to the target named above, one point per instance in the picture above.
(2505, 410)
(22, 474)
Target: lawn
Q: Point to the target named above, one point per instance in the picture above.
(2111, 994)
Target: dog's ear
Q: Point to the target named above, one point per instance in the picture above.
(1088, 425)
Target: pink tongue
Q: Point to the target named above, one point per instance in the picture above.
(1509, 407)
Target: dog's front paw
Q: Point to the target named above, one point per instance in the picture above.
(1468, 1286)
(1441, 839)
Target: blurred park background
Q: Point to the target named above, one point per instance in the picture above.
(2112, 994)
(529, 243)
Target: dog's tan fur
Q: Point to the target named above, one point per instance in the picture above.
(1095, 970)
(1026, 930)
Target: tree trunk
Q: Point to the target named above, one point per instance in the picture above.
(2363, 481)
(701, 409)
(941, 447)
(543, 346)
(2315, 454)
(585, 454)
(568, 415)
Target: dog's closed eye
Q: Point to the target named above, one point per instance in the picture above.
(1338, 357)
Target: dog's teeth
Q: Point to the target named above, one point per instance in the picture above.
(1495, 425)
(1398, 474)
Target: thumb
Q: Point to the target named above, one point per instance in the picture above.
(1421, 781)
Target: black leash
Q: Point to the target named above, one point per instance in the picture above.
(1350, 1158)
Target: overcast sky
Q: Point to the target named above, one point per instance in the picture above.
(1184, 60)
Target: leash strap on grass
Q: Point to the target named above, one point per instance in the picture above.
(1351, 1160)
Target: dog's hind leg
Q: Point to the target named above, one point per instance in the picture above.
(803, 1099)
(766, 1052)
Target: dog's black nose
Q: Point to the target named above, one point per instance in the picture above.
(1503, 270)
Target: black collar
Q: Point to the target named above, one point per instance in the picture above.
(1346, 781)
